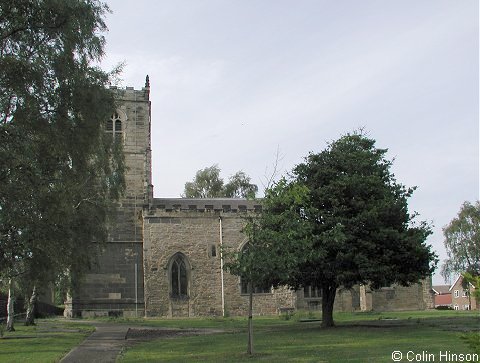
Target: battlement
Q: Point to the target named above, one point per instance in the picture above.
(225, 205)
(131, 94)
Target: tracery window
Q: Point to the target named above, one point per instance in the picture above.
(114, 126)
(256, 289)
(178, 277)
(312, 292)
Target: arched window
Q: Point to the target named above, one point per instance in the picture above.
(179, 277)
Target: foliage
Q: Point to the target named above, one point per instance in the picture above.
(462, 242)
(473, 340)
(60, 173)
(208, 184)
(342, 219)
(475, 281)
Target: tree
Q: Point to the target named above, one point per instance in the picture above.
(341, 220)
(60, 173)
(239, 186)
(475, 281)
(208, 184)
(462, 242)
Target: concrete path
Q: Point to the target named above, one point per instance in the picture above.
(103, 345)
(106, 343)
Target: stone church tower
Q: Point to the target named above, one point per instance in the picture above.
(116, 283)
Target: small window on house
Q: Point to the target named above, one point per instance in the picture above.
(466, 307)
(464, 293)
(456, 293)
(455, 307)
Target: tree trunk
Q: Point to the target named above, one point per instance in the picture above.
(328, 298)
(30, 318)
(250, 319)
(10, 309)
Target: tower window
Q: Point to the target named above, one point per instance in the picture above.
(114, 126)
(118, 126)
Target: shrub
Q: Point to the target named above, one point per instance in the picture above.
(442, 307)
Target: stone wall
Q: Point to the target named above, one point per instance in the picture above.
(196, 229)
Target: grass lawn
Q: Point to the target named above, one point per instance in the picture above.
(48, 341)
(358, 337)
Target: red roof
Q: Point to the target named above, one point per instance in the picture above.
(444, 299)
(441, 289)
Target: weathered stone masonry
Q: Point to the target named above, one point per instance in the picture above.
(196, 229)
(115, 286)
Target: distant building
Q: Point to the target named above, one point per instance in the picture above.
(462, 295)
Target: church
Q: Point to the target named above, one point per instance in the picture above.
(164, 255)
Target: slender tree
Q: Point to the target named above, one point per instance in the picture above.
(208, 184)
(239, 186)
(260, 263)
(60, 173)
(462, 242)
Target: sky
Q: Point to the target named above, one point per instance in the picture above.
(238, 82)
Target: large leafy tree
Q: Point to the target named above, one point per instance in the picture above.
(208, 184)
(60, 173)
(342, 219)
(462, 242)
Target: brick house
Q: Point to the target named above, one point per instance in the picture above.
(462, 295)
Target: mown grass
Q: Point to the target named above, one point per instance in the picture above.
(48, 341)
(358, 337)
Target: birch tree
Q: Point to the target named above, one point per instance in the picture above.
(60, 173)
(462, 242)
